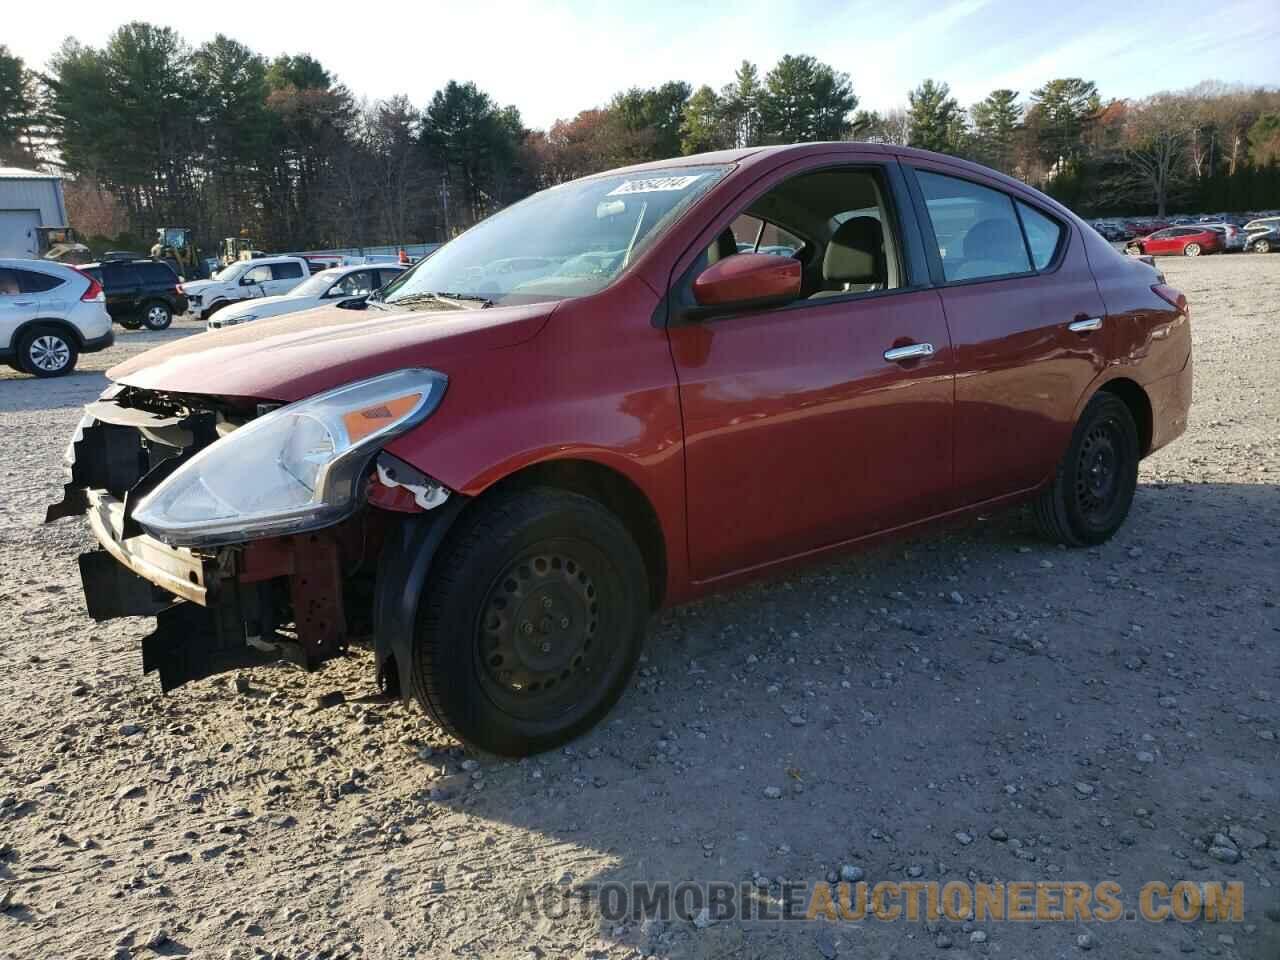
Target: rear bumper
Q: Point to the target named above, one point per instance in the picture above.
(1170, 406)
(99, 343)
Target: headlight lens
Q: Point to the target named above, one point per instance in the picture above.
(296, 468)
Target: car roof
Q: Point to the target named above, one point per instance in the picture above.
(52, 266)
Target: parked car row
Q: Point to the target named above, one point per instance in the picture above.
(338, 287)
(1238, 232)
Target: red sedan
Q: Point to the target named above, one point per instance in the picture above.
(620, 394)
(1187, 241)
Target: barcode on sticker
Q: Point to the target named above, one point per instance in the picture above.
(653, 185)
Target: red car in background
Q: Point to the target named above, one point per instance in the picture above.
(1187, 241)
(617, 395)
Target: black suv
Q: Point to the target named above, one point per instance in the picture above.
(139, 292)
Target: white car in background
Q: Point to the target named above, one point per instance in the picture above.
(244, 280)
(339, 286)
(50, 313)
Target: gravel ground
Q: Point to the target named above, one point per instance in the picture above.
(971, 705)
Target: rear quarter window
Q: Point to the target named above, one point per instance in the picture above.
(1044, 234)
(32, 281)
(159, 273)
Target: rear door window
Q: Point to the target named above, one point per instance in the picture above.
(32, 281)
(976, 229)
(286, 271)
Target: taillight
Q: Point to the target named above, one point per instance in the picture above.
(1174, 298)
(94, 293)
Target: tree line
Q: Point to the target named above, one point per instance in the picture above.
(150, 131)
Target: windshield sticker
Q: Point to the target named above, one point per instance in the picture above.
(654, 185)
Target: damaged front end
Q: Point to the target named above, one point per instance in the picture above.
(296, 585)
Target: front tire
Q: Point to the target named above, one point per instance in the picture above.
(1093, 487)
(1262, 246)
(531, 623)
(47, 352)
(157, 315)
(1191, 250)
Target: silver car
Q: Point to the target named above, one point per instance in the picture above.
(50, 313)
(1262, 236)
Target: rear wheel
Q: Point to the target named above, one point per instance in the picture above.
(47, 352)
(529, 630)
(157, 315)
(1093, 487)
(1191, 250)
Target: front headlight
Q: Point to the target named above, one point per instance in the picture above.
(296, 468)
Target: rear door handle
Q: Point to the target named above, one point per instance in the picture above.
(913, 352)
(1086, 325)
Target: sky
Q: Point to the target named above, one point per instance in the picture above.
(552, 58)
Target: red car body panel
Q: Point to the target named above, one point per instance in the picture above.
(758, 438)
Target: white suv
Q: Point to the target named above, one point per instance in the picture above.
(245, 280)
(50, 313)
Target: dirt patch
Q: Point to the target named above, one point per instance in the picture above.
(973, 705)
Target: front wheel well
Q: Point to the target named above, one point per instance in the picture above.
(1139, 404)
(616, 493)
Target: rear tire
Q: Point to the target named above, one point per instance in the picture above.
(157, 315)
(1093, 487)
(1191, 250)
(47, 352)
(531, 622)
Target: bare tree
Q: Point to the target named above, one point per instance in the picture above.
(1154, 151)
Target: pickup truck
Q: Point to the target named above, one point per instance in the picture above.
(244, 280)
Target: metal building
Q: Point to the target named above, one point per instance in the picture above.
(28, 199)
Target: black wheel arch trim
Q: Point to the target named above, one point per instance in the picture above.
(62, 325)
(403, 568)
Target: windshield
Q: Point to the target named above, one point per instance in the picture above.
(568, 241)
(316, 284)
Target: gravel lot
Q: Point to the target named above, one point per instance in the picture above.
(971, 705)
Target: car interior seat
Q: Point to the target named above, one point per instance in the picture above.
(854, 261)
(992, 247)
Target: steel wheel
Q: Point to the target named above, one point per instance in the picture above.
(536, 640)
(1097, 472)
(530, 622)
(1191, 250)
(1093, 487)
(48, 354)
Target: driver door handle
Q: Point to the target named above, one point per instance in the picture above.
(1086, 325)
(913, 352)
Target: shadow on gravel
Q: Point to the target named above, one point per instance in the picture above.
(906, 712)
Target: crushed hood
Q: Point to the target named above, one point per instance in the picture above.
(297, 355)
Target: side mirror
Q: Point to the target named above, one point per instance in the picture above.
(247, 281)
(354, 303)
(748, 280)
